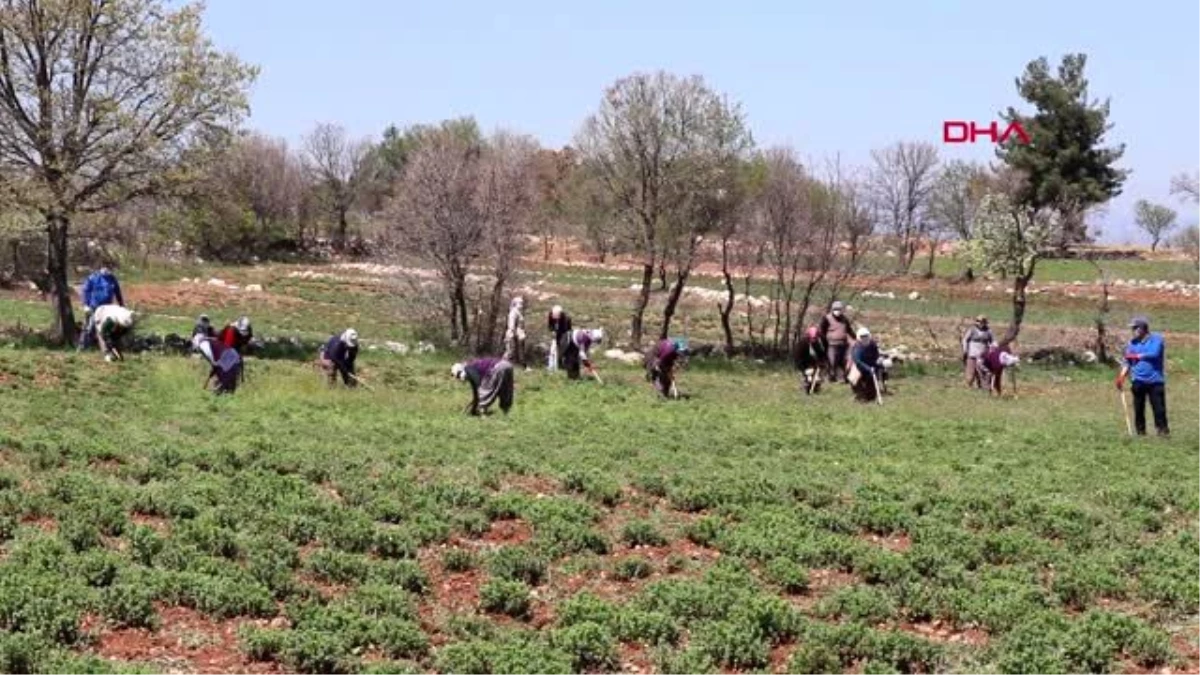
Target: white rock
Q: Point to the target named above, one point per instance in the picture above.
(914, 296)
(216, 282)
(185, 280)
(32, 286)
(1076, 283)
(396, 347)
(372, 348)
(989, 288)
(1089, 356)
(425, 348)
(254, 288)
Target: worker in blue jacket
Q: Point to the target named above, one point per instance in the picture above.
(338, 355)
(100, 288)
(1144, 363)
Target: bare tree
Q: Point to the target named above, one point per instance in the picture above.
(1187, 185)
(641, 143)
(1155, 220)
(901, 183)
(342, 168)
(271, 181)
(460, 203)
(952, 203)
(97, 98)
(784, 215)
(1188, 241)
(508, 199)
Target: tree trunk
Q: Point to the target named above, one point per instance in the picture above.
(662, 274)
(726, 308)
(1020, 282)
(673, 300)
(968, 274)
(749, 313)
(547, 245)
(339, 240)
(639, 305)
(933, 247)
(63, 328)
(460, 306)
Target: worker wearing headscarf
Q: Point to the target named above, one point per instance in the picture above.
(975, 344)
(112, 323)
(338, 355)
(514, 332)
(576, 352)
(810, 359)
(558, 322)
(867, 370)
(660, 365)
(491, 380)
(225, 364)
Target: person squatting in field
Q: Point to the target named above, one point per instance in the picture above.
(1145, 358)
(491, 380)
(558, 322)
(112, 322)
(575, 351)
(514, 332)
(836, 331)
(337, 357)
(811, 359)
(225, 364)
(661, 360)
(975, 344)
(993, 364)
(99, 289)
(866, 372)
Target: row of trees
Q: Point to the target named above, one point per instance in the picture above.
(118, 118)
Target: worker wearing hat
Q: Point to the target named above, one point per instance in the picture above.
(1144, 364)
(338, 355)
(837, 333)
(976, 342)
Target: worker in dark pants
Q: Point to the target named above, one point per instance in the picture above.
(1144, 365)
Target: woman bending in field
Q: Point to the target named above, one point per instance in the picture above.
(491, 380)
(660, 365)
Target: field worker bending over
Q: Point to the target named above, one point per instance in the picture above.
(575, 352)
(225, 364)
(238, 335)
(113, 322)
(514, 333)
(491, 380)
(836, 331)
(865, 357)
(1145, 356)
(994, 362)
(99, 289)
(558, 322)
(975, 344)
(204, 327)
(660, 365)
(810, 359)
(338, 356)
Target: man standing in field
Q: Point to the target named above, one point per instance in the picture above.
(835, 330)
(99, 289)
(558, 322)
(112, 322)
(975, 344)
(337, 357)
(491, 380)
(514, 333)
(1145, 358)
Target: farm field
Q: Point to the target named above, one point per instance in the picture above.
(147, 526)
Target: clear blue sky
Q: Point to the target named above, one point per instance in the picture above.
(825, 77)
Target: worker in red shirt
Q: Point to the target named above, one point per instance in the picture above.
(237, 335)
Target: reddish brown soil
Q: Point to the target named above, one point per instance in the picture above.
(937, 631)
(507, 533)
(186, 642)
(175, 295)
(43, 523)
(156, 523)
(635, 658)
